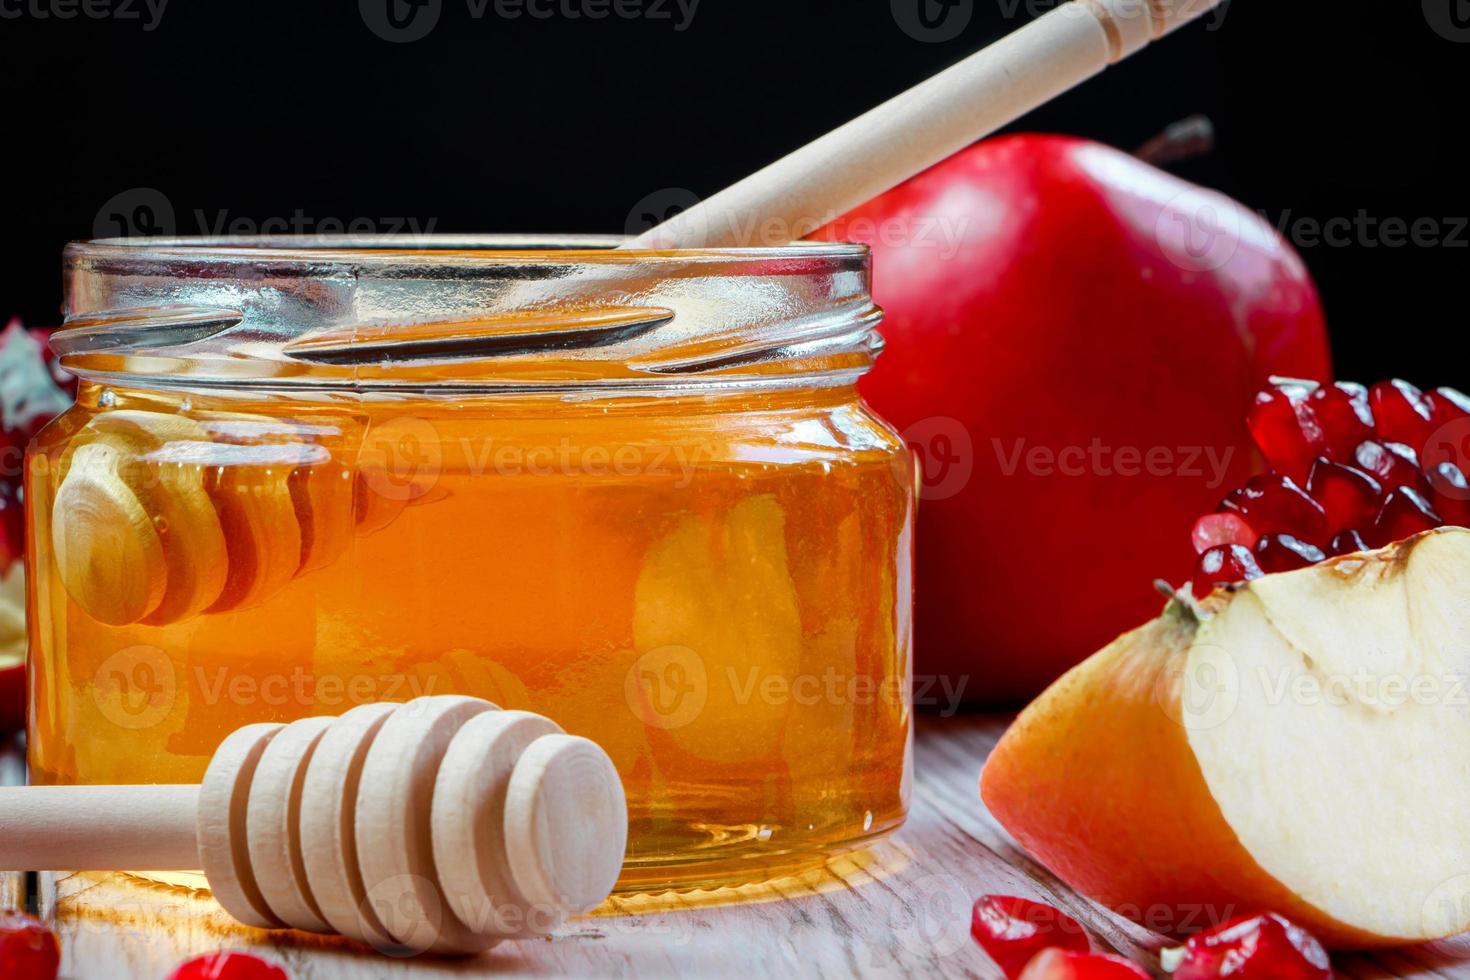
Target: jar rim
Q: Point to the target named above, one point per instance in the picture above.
(438, 248)
(455, 312)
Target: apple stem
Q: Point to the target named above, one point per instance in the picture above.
(1184, 140)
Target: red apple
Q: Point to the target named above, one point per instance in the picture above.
(1074, 338)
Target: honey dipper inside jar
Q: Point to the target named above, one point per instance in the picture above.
(635, 492)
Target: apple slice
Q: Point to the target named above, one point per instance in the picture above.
(12, 649)
(1299, 744)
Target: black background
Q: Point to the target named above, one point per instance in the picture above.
(245, 111)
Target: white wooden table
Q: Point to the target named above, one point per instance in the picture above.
(899, 909)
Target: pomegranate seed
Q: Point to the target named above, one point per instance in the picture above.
(1451, 498)
(1218, 529)
(1348, 542)
(1447, 404)
(1391, 464)
(1257, 947)
(28, 950)
(1013, 930)
(1402, 413)
(1283, 426)
(1062, 964)
(228, 966)
(1348, 495)
(1283, 553)
(1405, 513)
(1273, 503)
(1223, 565)
(1344, 417)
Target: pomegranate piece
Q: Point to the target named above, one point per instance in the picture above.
(28, 949)
(1447, 404)
(1283, 553)
(227, 965)
(1288, 434)
(1451, 497)
(1405, 513)
(1274, 504)
(1402, 413)
(12, 525)
(1256, 947)
(1217, 529)
(1343, 415)
(1013, 930)
(1223, 565)
(1392, 464)
(1349, 496)
(1062, 964)
(1347, 543)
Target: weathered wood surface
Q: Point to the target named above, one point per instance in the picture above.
(898, 909)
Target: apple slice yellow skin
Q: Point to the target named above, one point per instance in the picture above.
(1226, 758)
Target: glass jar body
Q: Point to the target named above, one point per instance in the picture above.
(714, 586)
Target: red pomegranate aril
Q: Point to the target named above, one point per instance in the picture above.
(1451, 498)
(1348, 542)
(1348, 495)
(28, 949)
(1284, 428)
(1256, 947)
(1222, 566)
(1405, 513)
(1401, 413)
(1448, 404)
(1342, 413)
(227, 965)
(1284, 553)
(1274, 504)
(1212, 530)
(1061, 964)
(1391, 464)
(1013, 930)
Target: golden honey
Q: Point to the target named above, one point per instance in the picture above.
(711, 580)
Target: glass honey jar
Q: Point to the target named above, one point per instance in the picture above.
(634, 491)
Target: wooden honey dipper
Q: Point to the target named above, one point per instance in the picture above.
(443, 824)
(159, 517)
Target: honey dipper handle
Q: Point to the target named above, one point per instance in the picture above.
(824, 180)
(98, 828)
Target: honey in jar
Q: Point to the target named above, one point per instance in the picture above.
(634, 491)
